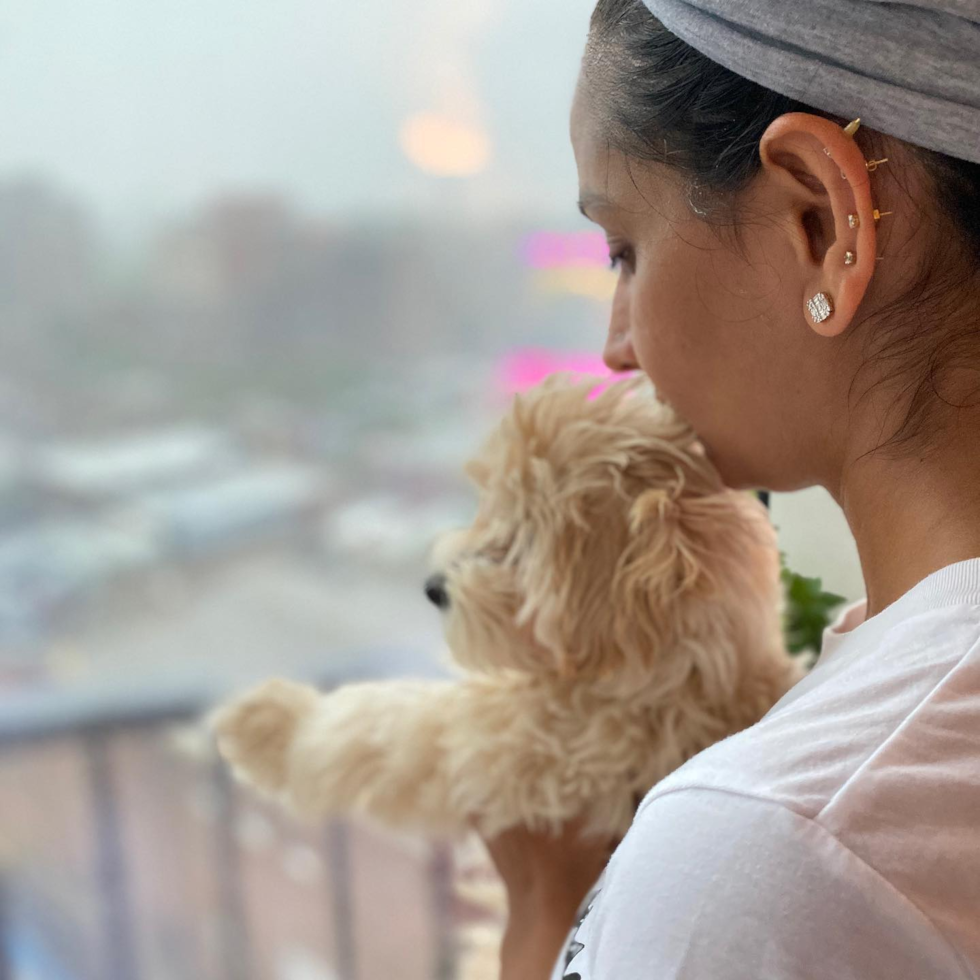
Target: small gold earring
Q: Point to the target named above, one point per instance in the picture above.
(873, 165)
(853, 221)
(852, 127)
(849, 258)
(878, 215)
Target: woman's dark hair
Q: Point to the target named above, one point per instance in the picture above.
(663, 101)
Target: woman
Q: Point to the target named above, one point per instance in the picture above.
(791, 193)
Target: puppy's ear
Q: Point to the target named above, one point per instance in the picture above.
(668, 555)
(659, 557)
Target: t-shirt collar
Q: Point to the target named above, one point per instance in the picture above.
(955, 584)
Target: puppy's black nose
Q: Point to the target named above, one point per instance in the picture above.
(435, 590)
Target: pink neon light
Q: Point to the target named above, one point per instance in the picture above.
(555, 250)
(527, 366)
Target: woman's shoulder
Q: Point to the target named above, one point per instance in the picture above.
(705, 879)
(859, 706)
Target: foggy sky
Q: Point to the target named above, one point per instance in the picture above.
(143, 108)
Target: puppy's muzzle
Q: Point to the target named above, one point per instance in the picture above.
(435, 590)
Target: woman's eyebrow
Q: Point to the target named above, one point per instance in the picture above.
(590, 199)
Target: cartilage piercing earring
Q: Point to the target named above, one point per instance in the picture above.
(849, 258)
(820, 307)
(849, 130)
(873, 165)
(878, 215)
(853, 221)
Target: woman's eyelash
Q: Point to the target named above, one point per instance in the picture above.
(615, 259)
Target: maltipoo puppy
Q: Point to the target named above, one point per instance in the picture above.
(613, 610)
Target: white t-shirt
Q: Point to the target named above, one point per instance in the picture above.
(837, 838)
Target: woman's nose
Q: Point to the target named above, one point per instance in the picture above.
(618, 354)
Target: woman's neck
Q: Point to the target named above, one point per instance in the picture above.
(913, 516)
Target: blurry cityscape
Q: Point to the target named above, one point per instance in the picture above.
(264, 413)
(221, 458)
(262, 270)
(265, 269)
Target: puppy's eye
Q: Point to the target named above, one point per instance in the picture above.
(512, 551)
(494, 552)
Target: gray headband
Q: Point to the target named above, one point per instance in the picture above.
(910, 69)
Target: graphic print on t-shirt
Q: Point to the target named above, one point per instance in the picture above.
(574, 946)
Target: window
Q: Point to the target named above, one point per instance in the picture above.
(267, 272)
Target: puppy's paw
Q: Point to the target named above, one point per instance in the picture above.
(254, 732)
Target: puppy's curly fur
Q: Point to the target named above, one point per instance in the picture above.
(614, 608)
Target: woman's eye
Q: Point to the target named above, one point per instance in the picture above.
(618, 257)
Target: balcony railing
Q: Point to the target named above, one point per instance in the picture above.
(90, 728)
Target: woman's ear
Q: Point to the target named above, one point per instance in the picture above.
(825, 194)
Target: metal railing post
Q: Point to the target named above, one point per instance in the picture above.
(441, 872)
(119, 960)
(6, 930)
(339, 874)
(236, 954)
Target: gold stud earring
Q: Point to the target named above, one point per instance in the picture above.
(849, 258)
(820, 307)
(873, 165)
(853, 221)
(878, 215)
(852, 127)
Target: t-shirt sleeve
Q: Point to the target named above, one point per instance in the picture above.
(713, 885)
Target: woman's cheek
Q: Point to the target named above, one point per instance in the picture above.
(653, 340)
(672, 352)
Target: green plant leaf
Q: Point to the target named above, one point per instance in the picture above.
(808, 609)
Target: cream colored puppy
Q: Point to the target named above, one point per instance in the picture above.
(614, 610)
